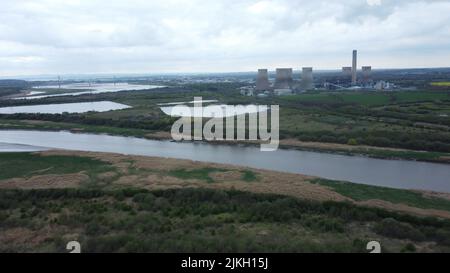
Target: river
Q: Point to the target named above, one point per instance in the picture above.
(59, 108)
(86, 88)
(380, 172)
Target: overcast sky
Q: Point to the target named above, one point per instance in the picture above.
(152, 36)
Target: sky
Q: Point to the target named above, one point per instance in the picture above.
(176, 36)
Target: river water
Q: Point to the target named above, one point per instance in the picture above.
(86, 88)
(59, 108)
(388, 173)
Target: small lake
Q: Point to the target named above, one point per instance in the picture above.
(211, 111)
(87, 88)
(78, 107)
(380, 172)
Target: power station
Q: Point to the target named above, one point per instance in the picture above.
(262, 80)
(285, 83)
(347, 71)
(366, 74)
(283, 78)
(350, 75)
(307, 78)
(354, 67)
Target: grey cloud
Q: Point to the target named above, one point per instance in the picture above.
(51, 36)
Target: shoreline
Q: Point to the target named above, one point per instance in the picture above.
(153, 173)
(386, 153)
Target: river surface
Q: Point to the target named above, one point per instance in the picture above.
(87, 88)
(77, 107)
(388, 173)
(7, 147)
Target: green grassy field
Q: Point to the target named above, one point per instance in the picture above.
(202, 174)
(360, 192)
(341, 98)
(205, 174)
(441, 84)
(28, 164)
(51, 126)
(368, 98)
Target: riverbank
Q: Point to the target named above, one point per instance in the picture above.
(378, 172)
(344, 149)
(115, 203)
(73, 169)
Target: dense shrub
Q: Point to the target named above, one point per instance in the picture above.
(392, 228)
(202, 220)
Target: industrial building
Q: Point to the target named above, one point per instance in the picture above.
(262, 80)
(284, 79)
(349, 79)
(247, 91)
(285, 84)
(383, 86)
(307, 78)
(366, 74)
(282, 92)
(347, 71)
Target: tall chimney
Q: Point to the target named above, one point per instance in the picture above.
(354, 66)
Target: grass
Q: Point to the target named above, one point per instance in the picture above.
(204, 174)
(201, 174)
(28, 164)
(360, 192)
(50, 125)
(361, 98)
(406, 97)
(441, 84)
(367, 98)
(249, 176)
(408, 155)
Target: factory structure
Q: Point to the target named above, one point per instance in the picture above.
(285, 82)
(307, 82)
(262, 80)
(353, 79)
(354, 67)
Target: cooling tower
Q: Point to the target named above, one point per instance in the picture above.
(284, 78)
(367, 74)
(262, 80)
(354, 66)
(307, 78)
(347, 71)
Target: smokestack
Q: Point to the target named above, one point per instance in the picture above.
(284, 78)
(262, 80)
(354, 66)
(307, 78)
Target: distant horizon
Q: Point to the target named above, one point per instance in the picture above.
(151, 74)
